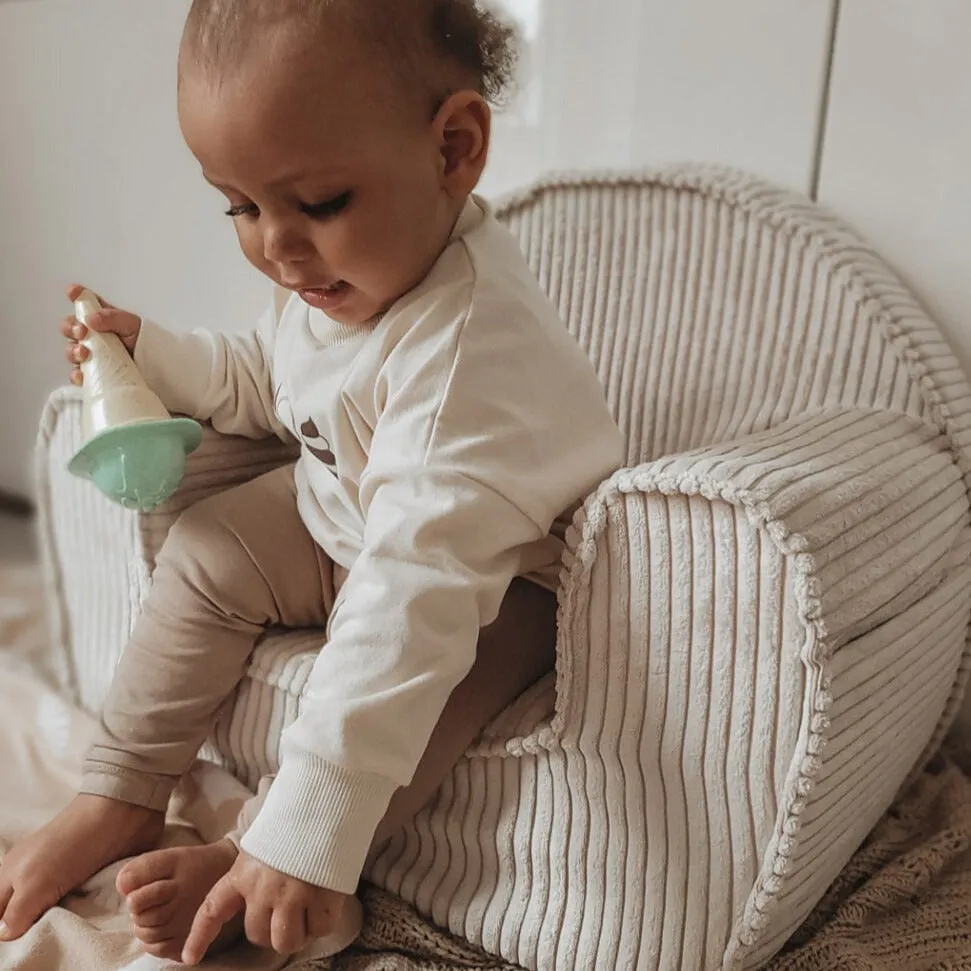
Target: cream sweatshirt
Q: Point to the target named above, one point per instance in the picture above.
(440, 443)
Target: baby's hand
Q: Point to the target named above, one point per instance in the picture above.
(280, 911)
(111, 320)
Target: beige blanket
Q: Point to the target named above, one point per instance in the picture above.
(42, 742)
(903, 903)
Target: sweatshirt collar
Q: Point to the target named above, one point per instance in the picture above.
(473, 214)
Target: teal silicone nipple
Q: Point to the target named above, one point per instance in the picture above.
(140, 465)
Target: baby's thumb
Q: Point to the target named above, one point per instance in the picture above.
(125, 325)
(75, 290)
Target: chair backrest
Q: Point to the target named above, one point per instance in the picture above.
(714, 305)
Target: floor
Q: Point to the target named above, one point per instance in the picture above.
(16, 538)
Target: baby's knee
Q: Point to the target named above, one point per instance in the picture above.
(205, 541)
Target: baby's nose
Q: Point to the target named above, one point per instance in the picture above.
(284, 243)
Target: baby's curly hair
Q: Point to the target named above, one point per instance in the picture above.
(447, 44)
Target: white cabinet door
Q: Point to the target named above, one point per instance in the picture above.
(897, 158)
(630, 83)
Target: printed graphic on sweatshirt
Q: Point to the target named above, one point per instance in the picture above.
(281, 404)
(308, 432)
(317, 445)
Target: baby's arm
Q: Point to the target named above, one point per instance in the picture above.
(441, 551)
(223, 379)
(211, 377)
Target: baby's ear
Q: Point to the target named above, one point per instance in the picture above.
(463, 126)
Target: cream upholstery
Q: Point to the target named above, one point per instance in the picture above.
(763, 621)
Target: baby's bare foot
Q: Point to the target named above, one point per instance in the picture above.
(167, 887)
(88, 835)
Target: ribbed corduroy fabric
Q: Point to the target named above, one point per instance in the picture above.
(763, 621)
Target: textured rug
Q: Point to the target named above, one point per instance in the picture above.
(23, 633)
(902, 904)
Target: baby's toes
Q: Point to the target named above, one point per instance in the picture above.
(21, 914)
(24, 905)
(6, 893)
(156, 917)
(152, 897)
(146, 869)
(155, 936)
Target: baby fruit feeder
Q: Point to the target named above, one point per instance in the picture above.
(134, 451)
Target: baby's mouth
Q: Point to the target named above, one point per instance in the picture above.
(326, 297)
(330, 288)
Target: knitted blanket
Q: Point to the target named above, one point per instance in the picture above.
(902, 904)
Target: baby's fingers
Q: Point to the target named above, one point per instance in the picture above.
(76, 353)
(73, 330)
(77, 377)
(220, 906)
(288, 928)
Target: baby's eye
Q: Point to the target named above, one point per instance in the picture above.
(324, 210)
(246, 209)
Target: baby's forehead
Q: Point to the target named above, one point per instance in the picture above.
(433, 46)
(294, 87)
(222, 35)
(300, 118)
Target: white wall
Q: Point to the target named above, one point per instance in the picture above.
(629, 83)
(96, 186)
(897, 152)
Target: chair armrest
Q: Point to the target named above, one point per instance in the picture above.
(826, 525)
(757, 642)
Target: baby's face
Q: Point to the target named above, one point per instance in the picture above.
(334, 179)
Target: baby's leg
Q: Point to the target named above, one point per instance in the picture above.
(232, 566)
(513, 653)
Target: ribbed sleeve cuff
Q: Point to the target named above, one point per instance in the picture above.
(177, 367)
(318, 821)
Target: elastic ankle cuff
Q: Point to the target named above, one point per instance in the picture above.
(136, 788)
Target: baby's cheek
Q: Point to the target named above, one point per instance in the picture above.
(252, 246)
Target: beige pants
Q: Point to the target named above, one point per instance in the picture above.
(232, 566)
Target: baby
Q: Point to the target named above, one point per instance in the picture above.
(449, 426)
